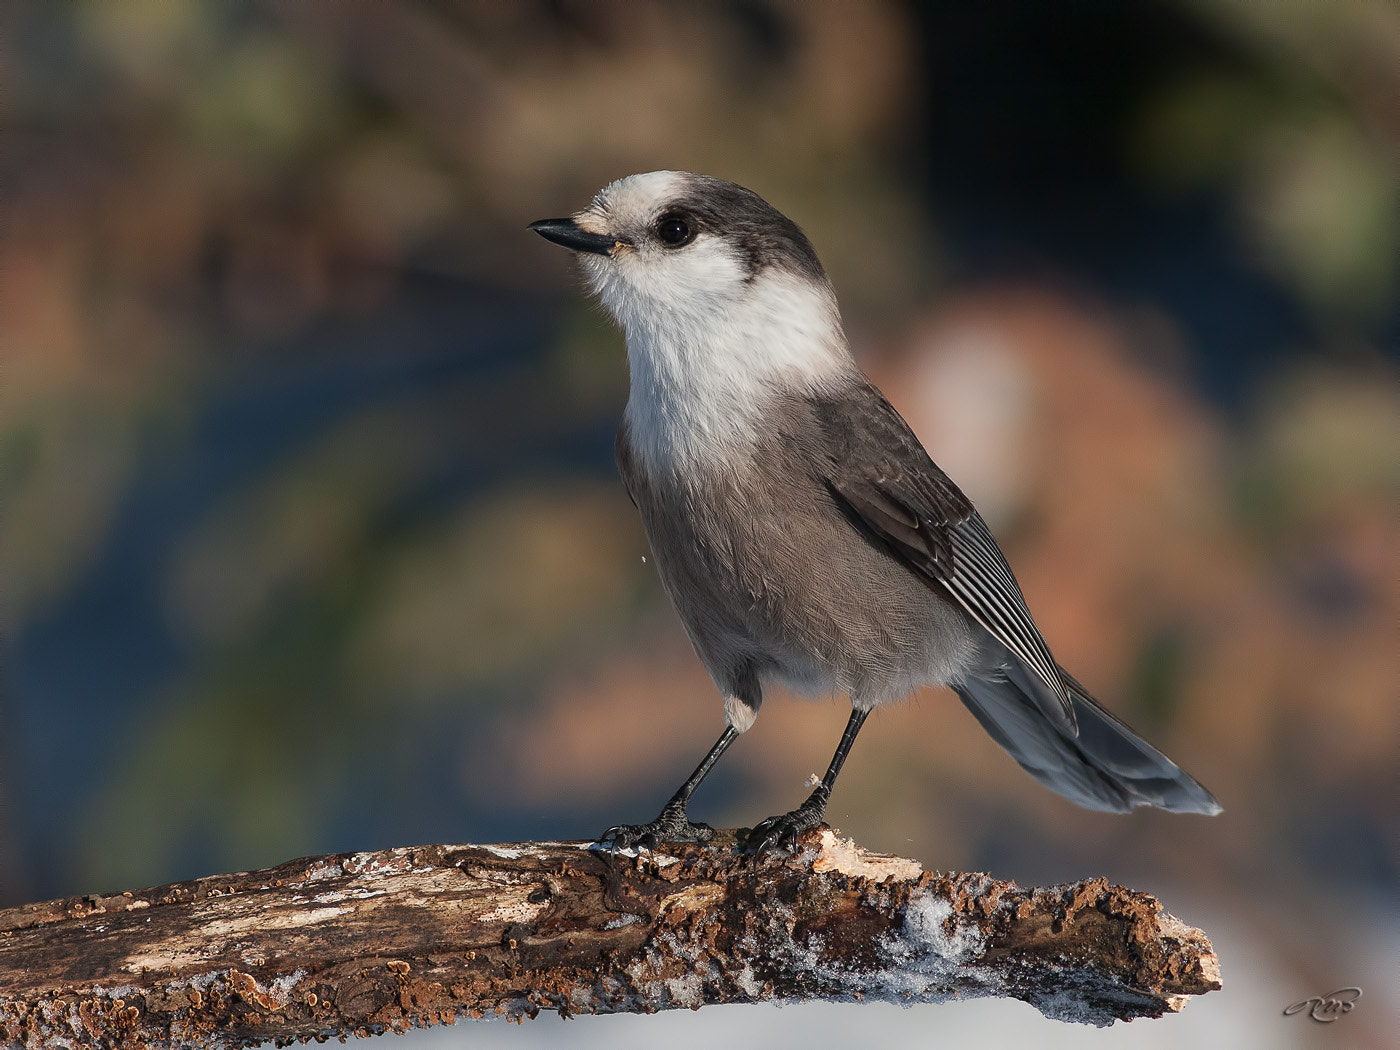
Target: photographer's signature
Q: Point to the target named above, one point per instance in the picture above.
(1326, 1008)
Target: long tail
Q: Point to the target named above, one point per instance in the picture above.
(1107, 766)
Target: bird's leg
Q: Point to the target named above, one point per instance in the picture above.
(672, 824)
(780, 833)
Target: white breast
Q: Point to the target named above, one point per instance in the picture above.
(703, 372)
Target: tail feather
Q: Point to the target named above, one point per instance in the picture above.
(1107, 766)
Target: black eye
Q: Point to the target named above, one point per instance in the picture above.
(674, 231)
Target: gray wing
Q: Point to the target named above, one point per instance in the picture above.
(881, 472)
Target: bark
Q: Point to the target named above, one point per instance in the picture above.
(370, 942)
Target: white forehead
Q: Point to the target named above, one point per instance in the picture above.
(637, 198)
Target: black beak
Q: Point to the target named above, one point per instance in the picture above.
(567, 233)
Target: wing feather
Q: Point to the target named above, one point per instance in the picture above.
(881, 472)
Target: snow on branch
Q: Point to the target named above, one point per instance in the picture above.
(365, 943)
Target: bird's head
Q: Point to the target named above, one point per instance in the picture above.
(689, 260)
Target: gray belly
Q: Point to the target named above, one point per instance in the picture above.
(771, 579)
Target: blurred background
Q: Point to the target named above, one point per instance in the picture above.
(311, 538)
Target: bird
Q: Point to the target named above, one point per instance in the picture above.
(802, 532)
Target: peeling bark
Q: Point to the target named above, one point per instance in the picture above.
(370, 942)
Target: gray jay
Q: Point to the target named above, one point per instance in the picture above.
(802, 532)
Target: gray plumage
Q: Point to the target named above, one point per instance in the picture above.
(800, 529)
(781, 592)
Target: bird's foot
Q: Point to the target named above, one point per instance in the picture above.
(779, 834)
(672, 825)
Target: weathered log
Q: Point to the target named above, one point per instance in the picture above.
(367, 942)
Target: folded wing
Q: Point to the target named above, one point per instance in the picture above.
(1029, 705)
(889, 484)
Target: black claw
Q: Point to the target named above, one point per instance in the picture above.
(672, 825)
(779, 834)
(620, 836)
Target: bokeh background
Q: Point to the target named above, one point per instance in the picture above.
(311, 538)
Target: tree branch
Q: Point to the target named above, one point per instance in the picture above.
(368, 942)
